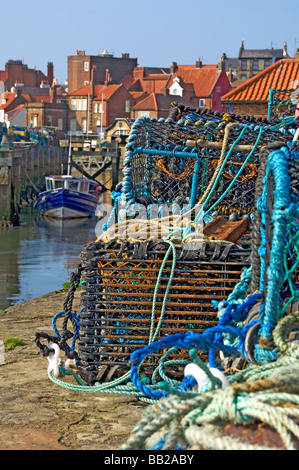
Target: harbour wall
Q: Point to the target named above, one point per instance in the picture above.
(22, 175)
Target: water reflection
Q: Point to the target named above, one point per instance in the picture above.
(38, 256)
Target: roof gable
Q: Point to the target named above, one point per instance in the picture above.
(158, 102)
(9, 97)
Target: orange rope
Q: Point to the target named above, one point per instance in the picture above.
(251, 171)
(185, 174)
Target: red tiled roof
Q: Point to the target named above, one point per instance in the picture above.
(203, 79)
(128, 81)
(283, 74)
(138, 94)
(97, 91)
(9, 97)
(158, 102)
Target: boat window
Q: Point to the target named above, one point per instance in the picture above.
(73, 185)
(84, 186)
(58, 184)
(49, 185)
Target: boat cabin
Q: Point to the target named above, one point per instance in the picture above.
(82, 185)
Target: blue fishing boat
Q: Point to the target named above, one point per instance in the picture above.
(68, 197)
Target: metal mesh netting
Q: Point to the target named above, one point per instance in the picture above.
(119, 291)
(161, 165)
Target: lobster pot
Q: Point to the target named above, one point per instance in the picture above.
(124, 305)
(170, 163)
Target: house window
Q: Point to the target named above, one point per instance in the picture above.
(201, 103)
(128, 106)
(33, 120)
(73, 104)
(86, 82)
(49, 121)
(121, 131)
(95, 108)
(86, 66)
(100, 108)
(97, 122)
(218, 89)
(84, 125)
(84, 104)
(267, 63)
(73, 125)
(244, 65)
(143, 113)
(79, 104)
(60, 124)
(255, 65)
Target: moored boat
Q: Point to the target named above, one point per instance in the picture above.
(68, 197)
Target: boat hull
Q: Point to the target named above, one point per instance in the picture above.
(66, 204)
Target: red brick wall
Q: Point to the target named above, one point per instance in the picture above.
(18, 72)
(251, 109)
(224, 87)
(118, 67)
(46, 112)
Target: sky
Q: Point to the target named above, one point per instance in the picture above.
(156, 32)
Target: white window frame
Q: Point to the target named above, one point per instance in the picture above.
(84, 104)
(84, 125)
(95, 107)
(34, 120)
(74, 124)
(128, 106)
(86, 66)
(202, 103)
(73, 104)
(143, 114)
(60, 124)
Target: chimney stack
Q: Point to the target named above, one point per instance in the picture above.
(174, 67)
(107, 77)
(198, 64)
(50, 72)
(53, 93)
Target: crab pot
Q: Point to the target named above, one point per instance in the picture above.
(122, 306)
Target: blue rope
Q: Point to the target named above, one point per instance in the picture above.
(77, 321)
(211, 339)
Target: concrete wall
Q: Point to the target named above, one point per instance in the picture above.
(24, 170)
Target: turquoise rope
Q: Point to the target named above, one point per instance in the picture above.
(172, 248)
(201, 215)
(284, 211)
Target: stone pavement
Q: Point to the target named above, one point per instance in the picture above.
(36, 414)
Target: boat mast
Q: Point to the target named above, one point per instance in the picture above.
(70, 157)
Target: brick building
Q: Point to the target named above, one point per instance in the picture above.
(83, 69)
(155, 106)
(250, 62)
(17, 72)
(48, 109)
(195, 85)
(252, 97)
(95, 107)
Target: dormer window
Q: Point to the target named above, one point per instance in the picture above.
(176, 88)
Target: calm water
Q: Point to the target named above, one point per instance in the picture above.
(38, 256)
